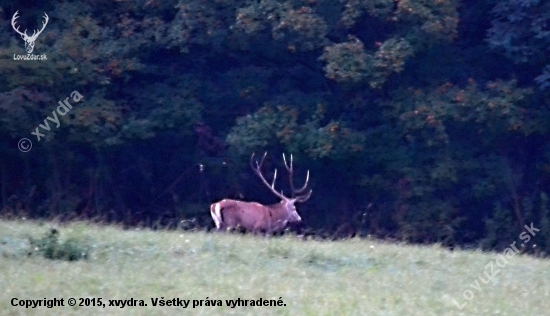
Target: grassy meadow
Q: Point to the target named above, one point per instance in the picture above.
(351, 277)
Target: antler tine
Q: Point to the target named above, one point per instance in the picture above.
(300, 190)
(290, 173)
(305, 197)
(258, 166)
(290, 170)
(273, 182)
(252, 159)
(43, 25)
(13, 24)
(45, 22)
(286, 165)
(258, 171)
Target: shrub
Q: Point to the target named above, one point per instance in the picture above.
(49, 247)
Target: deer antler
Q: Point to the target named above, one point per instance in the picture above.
(24, 34)
(46, 18)
(13, 24)
(290, 169)
(296, 193)
(258, 171)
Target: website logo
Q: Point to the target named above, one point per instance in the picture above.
(29, 40)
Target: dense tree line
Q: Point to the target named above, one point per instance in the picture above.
(425, 121)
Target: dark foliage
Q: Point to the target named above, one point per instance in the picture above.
(422, 121)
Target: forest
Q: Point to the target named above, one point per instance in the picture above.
(424, 121)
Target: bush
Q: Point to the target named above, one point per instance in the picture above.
(49, 247)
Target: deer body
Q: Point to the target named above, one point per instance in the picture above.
(255, 217)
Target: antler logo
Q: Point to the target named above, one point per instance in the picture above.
(29, 40)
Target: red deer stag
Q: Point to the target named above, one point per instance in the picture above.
(255, 217)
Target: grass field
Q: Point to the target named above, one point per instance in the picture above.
(352, 277)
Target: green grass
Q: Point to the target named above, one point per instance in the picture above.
(352, 277)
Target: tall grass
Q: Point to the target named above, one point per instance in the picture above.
(351, 277)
